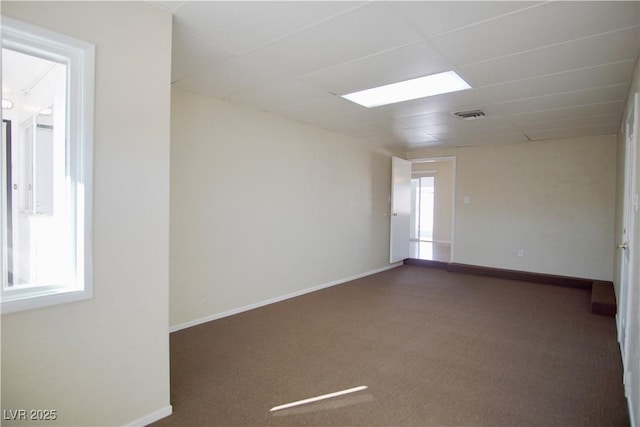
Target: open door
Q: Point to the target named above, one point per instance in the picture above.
(400, 209)
(629, 295)
(626, 239)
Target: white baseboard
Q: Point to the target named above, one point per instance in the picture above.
(152, 417)
(238, 310)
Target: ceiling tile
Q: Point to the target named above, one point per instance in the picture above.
(566, 99)
(402, 138)
(418, 59)
(577, 122)
(424, 120)
(562, 21)
(542, 134)
(240, 26)
(319, 110)
(612, 47)
(605, 108)
(460, 126)
(586, 78)
(487, 139)
(358, 33)
(449, 119)
(435, 17)
(280, 95)
(446, 132)
(563, 68)
(447, 103)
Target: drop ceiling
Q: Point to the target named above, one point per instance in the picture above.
(538, 70)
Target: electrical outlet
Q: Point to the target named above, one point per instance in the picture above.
(520, 252)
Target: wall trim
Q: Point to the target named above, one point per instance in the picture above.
(259, 304)
(152, 417)
(526, 276)
(442, 265)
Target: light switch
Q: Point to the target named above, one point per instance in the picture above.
(466, 200)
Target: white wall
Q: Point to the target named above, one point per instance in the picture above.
(553, 199)
(263, 207)
(105, 361)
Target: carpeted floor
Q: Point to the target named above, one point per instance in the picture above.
(434, 348)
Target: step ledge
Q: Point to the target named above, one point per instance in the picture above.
(525, 276)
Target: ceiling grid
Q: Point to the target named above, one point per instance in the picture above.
(538, 70)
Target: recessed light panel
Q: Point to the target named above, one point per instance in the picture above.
(407, 90)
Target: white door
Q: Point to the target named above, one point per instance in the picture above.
(629, 302)
(400, 209)
(625, 242)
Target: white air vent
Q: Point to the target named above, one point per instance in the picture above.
(469, 115)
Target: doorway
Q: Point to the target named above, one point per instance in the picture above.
(432, 190)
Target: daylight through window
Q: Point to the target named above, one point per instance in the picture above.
(47, 93)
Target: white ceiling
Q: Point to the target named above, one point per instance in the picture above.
(539, 70)
(20, 72)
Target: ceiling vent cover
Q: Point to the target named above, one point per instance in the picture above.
(469, 114)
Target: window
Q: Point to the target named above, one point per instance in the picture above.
(46, 163)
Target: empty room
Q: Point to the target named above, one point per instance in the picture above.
(331, 213)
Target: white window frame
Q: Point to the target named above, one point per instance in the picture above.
(80, 59)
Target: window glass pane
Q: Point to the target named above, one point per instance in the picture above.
(38, 228)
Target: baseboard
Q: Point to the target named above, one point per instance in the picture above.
(427, 263)
(550, 279)
(152, 417)
(238, 310)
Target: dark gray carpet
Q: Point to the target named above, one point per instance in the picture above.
(434, 348)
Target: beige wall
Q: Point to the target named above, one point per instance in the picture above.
(553, 199)
(105, 361)
(263, 207)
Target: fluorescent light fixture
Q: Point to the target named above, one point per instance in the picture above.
(421, 87)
